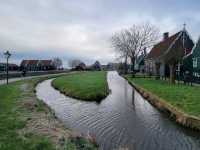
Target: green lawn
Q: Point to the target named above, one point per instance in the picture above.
(184, 97)
(14, 117)
(11, 121)
(90, 86)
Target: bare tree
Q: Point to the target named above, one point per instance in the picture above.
(131, 42)
(119, 43)
(74, 62)
(57, 62)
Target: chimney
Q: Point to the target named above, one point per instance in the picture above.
(165, 35)
(145, 51)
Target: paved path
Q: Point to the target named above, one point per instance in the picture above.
(26, 78)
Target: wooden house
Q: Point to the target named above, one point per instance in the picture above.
(196, 59)
(170, 50)
(192, 61)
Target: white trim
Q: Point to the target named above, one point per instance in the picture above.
(195, 62)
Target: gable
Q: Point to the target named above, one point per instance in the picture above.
(161, 47)
(180, 48)
(23, 63)
(172, 49)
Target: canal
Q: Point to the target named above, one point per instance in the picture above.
(122, 120)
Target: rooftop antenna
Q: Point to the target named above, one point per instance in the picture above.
(184, 29)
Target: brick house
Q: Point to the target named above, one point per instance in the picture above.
(37, 65)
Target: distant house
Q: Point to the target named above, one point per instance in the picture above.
(178, 45)
(11, 67)
(37, 65)
(196, 59)
(81, 66)
(104, 67)
(112, 66)
(96, 66)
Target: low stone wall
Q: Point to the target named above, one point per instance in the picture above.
(32, 73)
(177, 115)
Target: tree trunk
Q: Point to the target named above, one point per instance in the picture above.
(125, 66)
(172, 73)
(133, 66)
(157, 71)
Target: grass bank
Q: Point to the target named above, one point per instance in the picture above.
(89, 86)
(185, 98)
(179, 101)
(28, 124)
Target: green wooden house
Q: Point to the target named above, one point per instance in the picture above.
(192, 61)
(196, 59)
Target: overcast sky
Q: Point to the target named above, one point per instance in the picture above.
(43, 29)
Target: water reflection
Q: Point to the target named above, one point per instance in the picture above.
(123, 119)
(133, 98)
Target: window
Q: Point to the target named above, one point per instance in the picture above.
(194, 62)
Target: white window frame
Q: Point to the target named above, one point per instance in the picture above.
(195, 62)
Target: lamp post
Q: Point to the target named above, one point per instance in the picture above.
(7, 55)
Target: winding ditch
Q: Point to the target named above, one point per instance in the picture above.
(122, 120)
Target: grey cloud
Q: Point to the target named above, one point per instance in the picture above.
(81, 29)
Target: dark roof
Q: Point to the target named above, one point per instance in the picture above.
(162, 46)
(29, 62)
(46, 62)
(32, 62)
(13, 65)
(10, 65)
(36, 62)
(82, 64)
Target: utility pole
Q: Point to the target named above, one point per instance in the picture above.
(7, 54)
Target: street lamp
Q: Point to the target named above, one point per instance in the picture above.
(7, 55)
